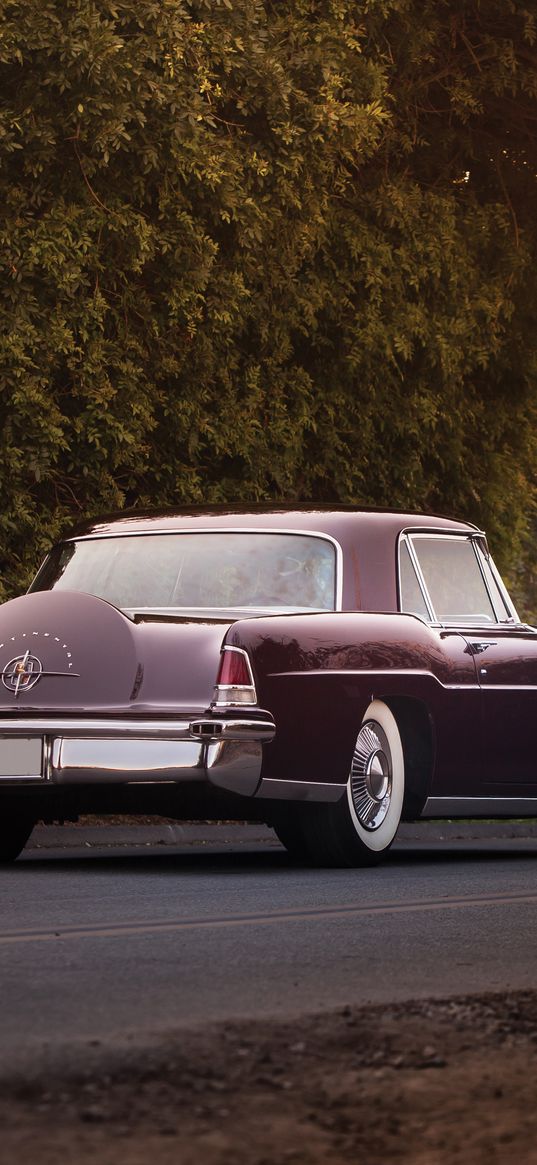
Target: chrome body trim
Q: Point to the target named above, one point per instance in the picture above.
(47, 758)
(232, 530)
(137, 729)
(257, 730)
(87, 762)
(410, 671)
(234, 766)
(358, 671)
(225, 753)
(492, 687)
(273, 789)
(480, 807)
(388, 671)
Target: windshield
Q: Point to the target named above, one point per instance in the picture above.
(212, 570)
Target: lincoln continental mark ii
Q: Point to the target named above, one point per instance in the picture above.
(331, 671)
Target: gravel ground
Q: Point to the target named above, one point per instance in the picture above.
(429, 1083)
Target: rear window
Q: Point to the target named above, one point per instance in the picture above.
(210, 570)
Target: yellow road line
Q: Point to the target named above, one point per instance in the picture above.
(322, 914)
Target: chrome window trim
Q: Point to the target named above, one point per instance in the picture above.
(474, 538)
(503, 590)
(406, 540)
(482, 563)
(230, 530)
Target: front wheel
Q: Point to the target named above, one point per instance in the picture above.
(359, 828)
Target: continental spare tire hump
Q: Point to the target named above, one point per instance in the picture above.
(65, 649)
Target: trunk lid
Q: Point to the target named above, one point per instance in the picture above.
(72, 652)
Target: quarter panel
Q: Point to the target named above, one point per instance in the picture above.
(317, 675)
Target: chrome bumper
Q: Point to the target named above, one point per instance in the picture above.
(90, 750)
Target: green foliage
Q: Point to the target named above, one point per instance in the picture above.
(255, 250)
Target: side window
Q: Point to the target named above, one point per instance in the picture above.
(412, 601)
(505, 613)
(453, 579)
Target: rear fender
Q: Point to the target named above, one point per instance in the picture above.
(317, 674)
(416, 728)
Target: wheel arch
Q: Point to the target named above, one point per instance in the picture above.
(416, 728)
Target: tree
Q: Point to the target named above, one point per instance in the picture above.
(266, 251)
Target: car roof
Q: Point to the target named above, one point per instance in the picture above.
(335, 520)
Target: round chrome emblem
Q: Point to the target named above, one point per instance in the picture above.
(21, 673)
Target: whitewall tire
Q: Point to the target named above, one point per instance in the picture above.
(359, 828)
(376, 784)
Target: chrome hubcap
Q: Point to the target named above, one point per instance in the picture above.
(371, 775)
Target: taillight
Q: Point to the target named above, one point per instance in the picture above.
(235, 682)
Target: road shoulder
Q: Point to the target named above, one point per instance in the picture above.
(448, 1081)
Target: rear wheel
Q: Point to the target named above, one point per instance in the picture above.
(359, 828)
(15, 829)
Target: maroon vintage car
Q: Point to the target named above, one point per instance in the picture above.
(330, 671)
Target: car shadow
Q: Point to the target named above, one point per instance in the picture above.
(261, 858)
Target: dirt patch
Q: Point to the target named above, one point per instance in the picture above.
(434, 1083)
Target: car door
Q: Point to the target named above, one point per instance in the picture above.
(457, 710)
(465, 590)
(506, 660)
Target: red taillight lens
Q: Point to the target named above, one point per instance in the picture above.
(234, 684)
(234, 669)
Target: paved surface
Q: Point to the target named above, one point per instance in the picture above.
(111, 950)
(207, 833)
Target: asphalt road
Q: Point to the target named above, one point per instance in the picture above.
(104, 951)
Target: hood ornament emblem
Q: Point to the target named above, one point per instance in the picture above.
(21, 673)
